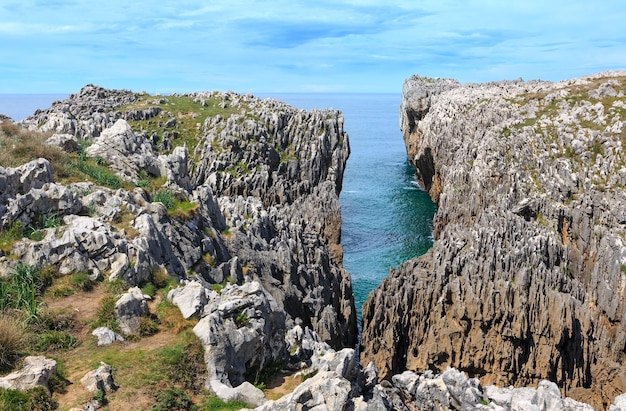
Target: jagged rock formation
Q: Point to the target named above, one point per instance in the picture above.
(235, 197)
(526, 277)
(286, 163)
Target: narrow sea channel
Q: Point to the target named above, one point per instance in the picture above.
(387, 219)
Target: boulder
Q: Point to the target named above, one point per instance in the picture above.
(100, 379)
(106, 336)
(242, 332)
(129, 309)
(66, 142)
(324, 391)
(190, 298)
(35, 372)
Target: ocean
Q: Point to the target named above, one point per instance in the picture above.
(387, 218)
(20, 106)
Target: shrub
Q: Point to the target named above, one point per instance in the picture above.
(165, 197)
(161, 278)
(13, 339)
(214, 403)
(184, 362)
(55, 341)
(53, 321)
(173, 399)
(148, 326)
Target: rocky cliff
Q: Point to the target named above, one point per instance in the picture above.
(234, 197)
(526, 277)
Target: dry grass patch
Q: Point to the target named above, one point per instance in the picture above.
(13, 339)
(19, 146)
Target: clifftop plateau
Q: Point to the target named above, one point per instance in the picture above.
(526, 277)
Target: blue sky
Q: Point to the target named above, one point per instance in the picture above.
(58, 46)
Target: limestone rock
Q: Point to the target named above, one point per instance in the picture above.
(100, 379)
(242, 332)
(190, 298)
(106, 336)
(66, 142)
(129, 309)
(124, 151)
(35, 372)
(528, 251)
(324, 391)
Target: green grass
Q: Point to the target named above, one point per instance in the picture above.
(55, 341)
(9, 235)
(105, 316)
(176, 208)
(164, 197)
(188, 114)
(22, 289)
(97, 173)
(35, 399)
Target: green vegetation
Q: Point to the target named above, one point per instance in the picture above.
(173, 398)
(176, 208)
(35, 399)
(189, 112)
(21, 291)
(13, 340)
(91, 170)
(105, 316)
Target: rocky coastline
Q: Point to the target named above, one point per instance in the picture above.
(234, 200)
(525, 280)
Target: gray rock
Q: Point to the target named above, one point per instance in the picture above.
(35, 372)
(66, 142)
(245, 392)
(124, 151)
(129, 309)
(528, 236)
(190, 298)
(242, 332)
(106, 336)
(100, 379)
(324, 391)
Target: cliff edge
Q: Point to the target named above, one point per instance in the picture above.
(526, 277)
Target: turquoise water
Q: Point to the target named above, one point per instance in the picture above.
(387, 219)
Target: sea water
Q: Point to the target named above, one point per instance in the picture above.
(20, 106)
(387, 218)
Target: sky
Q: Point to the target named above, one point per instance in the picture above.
(58, 46)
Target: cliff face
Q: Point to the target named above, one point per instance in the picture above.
(265, 176)
(526, 276)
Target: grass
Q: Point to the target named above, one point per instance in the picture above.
(19, 146)
(88, 169)
(21, 291)
(176, 208)
(106, 315)
(35, 399)
(188, 113)
(9, 234)
(13, 339)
